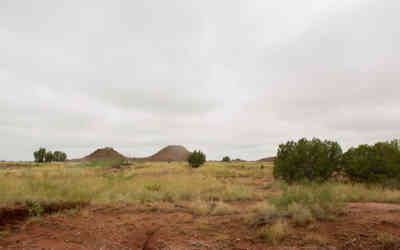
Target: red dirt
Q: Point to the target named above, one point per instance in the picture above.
(169, 153)
(125, 227)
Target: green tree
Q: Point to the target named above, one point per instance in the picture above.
(226, 159)
(59, 156)
(39, 155)
(312, 160)
(196, 159)
(48, 156)
(373, 164)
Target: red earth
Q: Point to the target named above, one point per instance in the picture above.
(366, 226)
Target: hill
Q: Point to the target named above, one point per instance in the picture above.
(169, 153)
(268, 159)
(104, 154)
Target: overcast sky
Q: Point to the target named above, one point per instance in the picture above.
(229, 77)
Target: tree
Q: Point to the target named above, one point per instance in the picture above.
(59, 156)
(373, 164)
(226, 159)
(313, 160)
(196, 159)
(48, 156)
(39, 155)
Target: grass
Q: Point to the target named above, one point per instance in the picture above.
(155, 182)
(302, 204)
(210, 190)
(275, 233)
(201, 207)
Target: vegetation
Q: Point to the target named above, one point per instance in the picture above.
(59, 156)
(312, 160)
(40, 155)
(274, 233)
(196, 159)
(379, 163)
(226, 159)
(47, 156)
(138, 183)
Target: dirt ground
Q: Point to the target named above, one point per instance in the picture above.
(362, 226)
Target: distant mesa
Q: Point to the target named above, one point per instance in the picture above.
(169, 153)
(268, 159)
(104, 154)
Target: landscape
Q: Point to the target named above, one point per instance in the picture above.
(199, 125)
(108, 201)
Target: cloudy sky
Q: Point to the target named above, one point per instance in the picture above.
(230, 77)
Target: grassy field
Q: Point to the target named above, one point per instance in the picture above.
(140, 183)
(244, 189)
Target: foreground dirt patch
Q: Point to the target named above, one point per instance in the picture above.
(362, 226)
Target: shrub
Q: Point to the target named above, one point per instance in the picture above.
(379, 163)
(196, 159)
(321, 200)
(275, 233)
(40, 155)
(300, 214)
(313, 160)
(226, 159)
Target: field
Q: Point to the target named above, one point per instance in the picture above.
(160, 205)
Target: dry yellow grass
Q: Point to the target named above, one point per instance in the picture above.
(142, 182)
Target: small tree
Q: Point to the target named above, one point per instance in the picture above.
(63, 156)
(59, 156)
(48, 156)
(196, 159)
(226, 159)
(39, 155)
(307, 160)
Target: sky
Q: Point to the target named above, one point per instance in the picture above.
(228, 77)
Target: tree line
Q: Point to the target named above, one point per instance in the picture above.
(317, 160)
(42, 155)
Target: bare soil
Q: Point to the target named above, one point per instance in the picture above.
(367, 226)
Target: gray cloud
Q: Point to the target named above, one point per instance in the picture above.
(229, 77)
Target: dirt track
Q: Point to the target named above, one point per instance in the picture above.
(362, 226)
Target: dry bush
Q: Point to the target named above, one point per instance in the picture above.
(274, 233)
(299, 214)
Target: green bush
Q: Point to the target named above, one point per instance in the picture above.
(39, 155)
(379, 163)
(196, 159)
(226, 159)
(313, 160)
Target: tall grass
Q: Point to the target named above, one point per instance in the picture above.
(171, 182)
